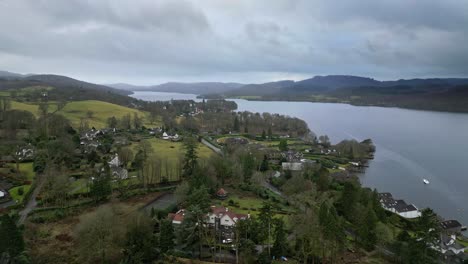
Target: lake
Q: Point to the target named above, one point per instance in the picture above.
(411, 145)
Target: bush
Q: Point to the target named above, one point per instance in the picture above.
(20, 191)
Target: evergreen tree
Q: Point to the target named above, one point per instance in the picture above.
(101, 185)
(139, 242)
(264, 164)
(166, 236)
(270, 133)
(190, 159)
(236, 125)
(266, 218)
(263, 135)
(280, 246)
(283, 145)
(11, 242)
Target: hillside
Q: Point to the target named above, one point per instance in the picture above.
(62, 88)
(439, 94)
(178, 87)
(77, 110)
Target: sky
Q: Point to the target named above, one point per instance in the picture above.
(248, 41)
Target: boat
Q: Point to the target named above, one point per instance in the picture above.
(425, 181)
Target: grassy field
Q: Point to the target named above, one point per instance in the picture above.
(75, 111)
(14, 193)
(173, 150)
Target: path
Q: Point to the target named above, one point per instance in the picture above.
(32, 203)
(212, 147)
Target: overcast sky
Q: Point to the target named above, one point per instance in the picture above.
(154, 41)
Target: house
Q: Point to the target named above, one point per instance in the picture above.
(292, 166)
(178, 217)
(451, 226)
(276, 174)
(117, 171)
(221, 217)
(221, 194)
(115, 161)
(399, 207)
(25, 153)
(292, 156)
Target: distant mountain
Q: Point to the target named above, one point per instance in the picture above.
(263, 88)
(64, 81)
(178, 87)
(128, 87)
(10, 75)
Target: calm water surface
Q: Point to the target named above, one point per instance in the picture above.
(411, 145)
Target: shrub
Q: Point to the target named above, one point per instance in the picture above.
(20, 191)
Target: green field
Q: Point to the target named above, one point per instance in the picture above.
(14, 193)
(77, 110)
(173, 151)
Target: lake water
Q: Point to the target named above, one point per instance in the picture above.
(411, 145)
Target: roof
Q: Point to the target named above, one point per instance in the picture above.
(177, 217)
(221, 192)
(449, 224)
(294, 166)
(221, 211)
(385, 195)
(2, 194)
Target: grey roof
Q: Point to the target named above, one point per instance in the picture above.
(450, 224)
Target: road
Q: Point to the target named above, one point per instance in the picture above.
(212, 147)
(32, 203)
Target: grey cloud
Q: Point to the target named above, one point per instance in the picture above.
(163, 40)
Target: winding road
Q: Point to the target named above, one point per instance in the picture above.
(32, 203)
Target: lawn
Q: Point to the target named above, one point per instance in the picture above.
(27, 170)
(14, 192)
(170, 153)
(173, 150)
(102, 111)
(77, 110)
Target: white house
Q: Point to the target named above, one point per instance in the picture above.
(218, 214)
(399, 207)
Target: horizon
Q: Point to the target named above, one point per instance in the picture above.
(153, 42)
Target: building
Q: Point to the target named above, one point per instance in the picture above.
(219, 217)
(451, 226)
(221, 194)
(178, 217)
(399, 207)
(117, 171)
(292, 166)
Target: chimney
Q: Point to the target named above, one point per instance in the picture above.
(227, 209)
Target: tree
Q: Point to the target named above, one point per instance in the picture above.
(137, 122)
(283, 145)
(348, 200)
(101, 185)
(270, 133)
(139, 240)
(99, 236)
(266, 218)
(125, 155)
(280, 246)
(325, 141)
(236, 125)
(11, 242)
(89, 114)
(323, 181)
(263, 135)
(112, 122)
(166, 236)
(264, 164)
(190, 161)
